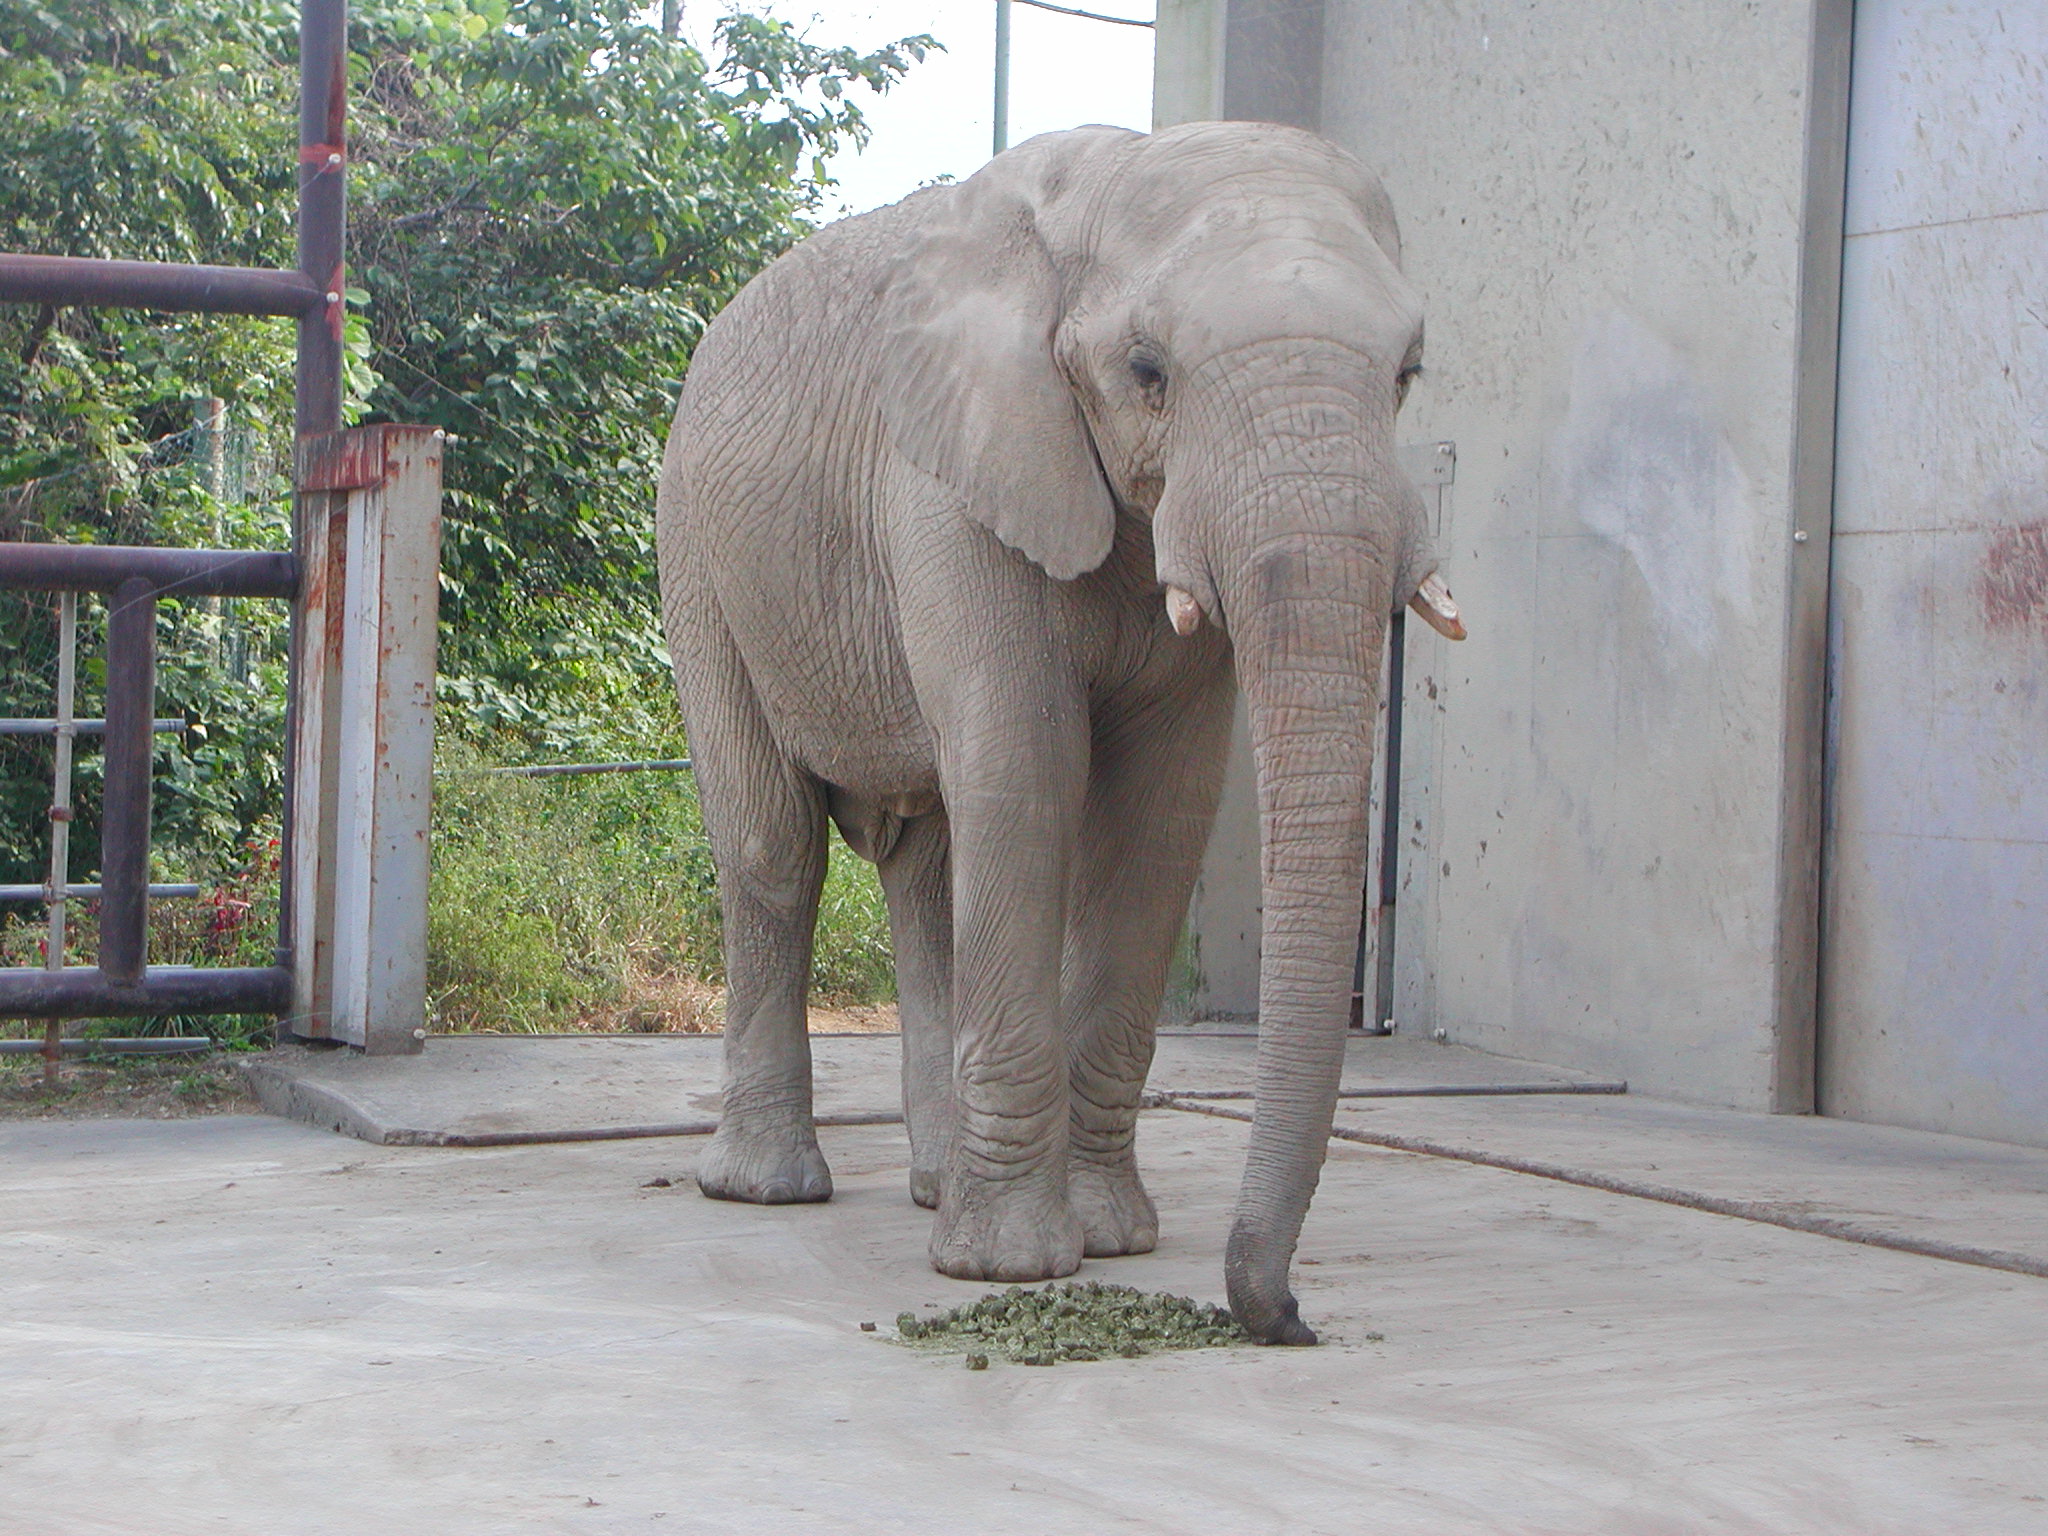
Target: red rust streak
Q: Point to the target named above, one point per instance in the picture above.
(2014, 582)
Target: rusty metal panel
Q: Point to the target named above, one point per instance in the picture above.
(309, 840)
(1935, 995)
(364, 762)
(348, 461)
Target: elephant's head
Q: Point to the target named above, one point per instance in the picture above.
(1208, 328)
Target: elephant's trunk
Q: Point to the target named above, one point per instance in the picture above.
(1307, 613)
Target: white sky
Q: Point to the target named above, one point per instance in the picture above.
(1064, 71)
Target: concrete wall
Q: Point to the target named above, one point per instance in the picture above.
(1935, 1012)
(1624, 218)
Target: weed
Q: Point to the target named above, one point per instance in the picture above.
(591, 901)
(581, 902)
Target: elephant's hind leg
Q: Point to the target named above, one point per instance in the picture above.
(766, 818)
(1152, 799)
(917, 880)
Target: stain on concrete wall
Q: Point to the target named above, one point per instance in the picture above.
(1641, 461)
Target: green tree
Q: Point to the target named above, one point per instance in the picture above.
(551, 198)
(548, 198)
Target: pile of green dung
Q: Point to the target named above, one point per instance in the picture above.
(1075, 1321)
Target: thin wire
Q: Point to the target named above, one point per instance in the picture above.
(1067, 10)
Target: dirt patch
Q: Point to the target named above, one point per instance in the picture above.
(680, 1005)
(131, 1088)
(859, 1019)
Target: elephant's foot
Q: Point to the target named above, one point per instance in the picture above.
(1110, 1200)
(1009, 1230)
(924, 1186)
(765, 1163)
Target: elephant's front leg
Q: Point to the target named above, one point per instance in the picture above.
(1014, 788)
(1157, 772)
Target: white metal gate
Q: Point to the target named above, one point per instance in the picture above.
(1935, 991)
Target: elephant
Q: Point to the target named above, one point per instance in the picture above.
(976, 513)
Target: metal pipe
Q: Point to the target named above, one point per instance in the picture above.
(1068, 10)
(316, 398)
(114, 1045)
(158, 285)
(1002, 104)
(64, 728)
(171, 572)
(83, 992)
(552, 770)
(407, 1138)
(1390, 827)
(12, 726)
(323, 182)
(124, 813)
(77, 892)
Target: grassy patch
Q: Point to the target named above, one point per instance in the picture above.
(585, 902)
(591, 902)
(232, 922)
(1075, 1321)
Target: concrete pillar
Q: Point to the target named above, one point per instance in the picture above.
(1624, 219)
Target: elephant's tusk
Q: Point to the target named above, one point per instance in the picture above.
(1432, 600)
(1185, 612)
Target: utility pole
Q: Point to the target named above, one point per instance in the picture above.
(1002, 75)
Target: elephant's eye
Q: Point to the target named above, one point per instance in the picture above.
(1150, 376)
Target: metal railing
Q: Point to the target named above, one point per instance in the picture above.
(357, 599)
(122, 984)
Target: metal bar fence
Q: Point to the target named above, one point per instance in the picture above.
(123, 984)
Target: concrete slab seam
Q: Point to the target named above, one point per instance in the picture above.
(1742, 1210)
(610, 1132)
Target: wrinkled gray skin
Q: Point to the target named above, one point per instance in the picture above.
(929, 477)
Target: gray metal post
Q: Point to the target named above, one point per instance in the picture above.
(1002, 113)
(65, 730)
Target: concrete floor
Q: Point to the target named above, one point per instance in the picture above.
(467, 1088)
(245, 1324)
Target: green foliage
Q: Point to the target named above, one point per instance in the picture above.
(232, 922)
(220, 667)
(591, 901)
(143, 133)
(548, 198)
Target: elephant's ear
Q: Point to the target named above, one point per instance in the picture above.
(978, 401)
